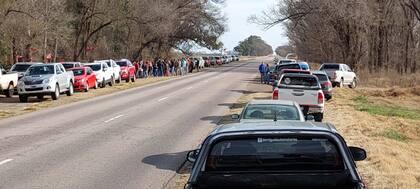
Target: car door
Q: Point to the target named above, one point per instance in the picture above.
(107, 71)
(90, 77)
(59, 77)
(64, 75)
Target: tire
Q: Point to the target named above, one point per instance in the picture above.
(133, 79)
(111, 83)
(127, 80)
(341, 84)
(96, 85)
(56, 94)
(10, 90)
(40, 97)
(353, 84)
(70, 92)
(87, 87)
(318, 117)
(118, 80)
(23, 98)
(103, 85)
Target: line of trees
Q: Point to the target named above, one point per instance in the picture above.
(89, 29)
(380, 35)
(253, 46)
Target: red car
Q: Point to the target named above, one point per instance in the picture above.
(84, 79)
(128, 70)
(218, 60)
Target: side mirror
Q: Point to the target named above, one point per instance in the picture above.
(192, 155)
(235, 116)
(310, 118)
(358, 154)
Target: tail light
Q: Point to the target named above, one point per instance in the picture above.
(276, 94)
(320, 98)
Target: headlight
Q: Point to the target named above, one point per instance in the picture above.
(46, 81)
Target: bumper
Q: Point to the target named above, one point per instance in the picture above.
(125, 76)
(35, 89)
(313, 108)
(78, 86)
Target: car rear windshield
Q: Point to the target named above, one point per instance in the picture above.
(271, 111)
(275, 154)
(297, 81)
(122, 63)
(41, 70)
(78, 72)
(285, 61)
(322, 77)
(95, 67)
(289, 66)
(20, 67)
(330, 67)
(68, 66)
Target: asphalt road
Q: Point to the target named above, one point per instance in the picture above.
(132, 139)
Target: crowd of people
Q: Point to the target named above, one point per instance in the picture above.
(166, 67)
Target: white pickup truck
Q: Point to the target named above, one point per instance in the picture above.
(115, 69)
(303, 89)
(45, 79)
(8, 82)
(340, 74)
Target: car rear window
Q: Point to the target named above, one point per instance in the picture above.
(78, 72)
(322, 77)
(68, 66)
(275, 154)
(299, 81)
(330, 67)
(95, 67)
(20, 67)
(271, 111)
(289, 66)
(122, 63)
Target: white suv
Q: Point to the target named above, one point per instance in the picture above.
(115, 69)
(104, 75)
(340, 74)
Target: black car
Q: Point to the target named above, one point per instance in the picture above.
(268, 155)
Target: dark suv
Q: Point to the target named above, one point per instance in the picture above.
(270, 155)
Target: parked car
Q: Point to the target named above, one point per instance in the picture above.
(128, 70)
(115, 69)
(104, 75)
(269, 155)
(213, 60)
(325, 82)
(207, 61)
(84, 79)
(304, 89)
(8, 82)
(340, 74)
(289, 66)
(45, 79)
(21, 67)
(286, 61)
(218, 60)
(70, 65)
(278, 75)
(272, 110)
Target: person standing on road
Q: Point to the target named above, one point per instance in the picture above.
(261, 68)
(267, 74)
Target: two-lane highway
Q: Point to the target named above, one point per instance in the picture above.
(132, 139)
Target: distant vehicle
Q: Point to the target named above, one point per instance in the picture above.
(218, 60)
(290, 66)
(70, 65)
(272, 74)
(104, 75)
(213, 60)
(304, 89)
(236, 58)
(200, 61)
(128, 70)
(340, 74)
(325, 82)
(84, 79)
(267, 155)
(207, 61)
(115, 69)
(286, 61)
(21, 67)
(8, 82)
(45, 79)
(278, 75)
(292, 56)
(271, 110)
(304, 66)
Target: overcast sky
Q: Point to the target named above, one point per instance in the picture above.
(238, 11)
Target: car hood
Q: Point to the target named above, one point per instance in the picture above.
(37, 77)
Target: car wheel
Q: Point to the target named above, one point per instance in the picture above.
(70, 90)
(103, 85)
(96, 85)
(87, 87)
(10, 90)
(133, 79)
(40, 97)
(119, 80)
(318, 117)
(111, 83)
(23, 98)
(56, 94)
(353, 84)
(341, 85)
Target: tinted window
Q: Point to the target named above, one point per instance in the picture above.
(41, 70)
(304, 67)
(95, 67)
(122, 63)
(322, 77)
(285, 61)
(108, 63)
(68, 66)
(20, 67)
(330, 67)
(289, 66)
(78, 72)
(268, 111)
(275, 153)
(300, 81)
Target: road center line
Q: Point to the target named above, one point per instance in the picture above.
(162, 99)
(5, 161)
(114, 118)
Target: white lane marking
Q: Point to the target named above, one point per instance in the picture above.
(5, 161)
(162, 99)
(189, 88)
(114, 118)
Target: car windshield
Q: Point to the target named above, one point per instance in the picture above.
(330, 67)
(95, 67)
(41, 70)
(78, 72)
(304, 66)
(272, 68)
(288, 66)
(275, 154)
(68, 65)
(322, 77)
(271, 111)
(109, 63)
(299, 81)
(122, 63)
(20, 67)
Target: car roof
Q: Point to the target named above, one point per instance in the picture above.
(279, 102)
(23, 63)
(274, 126)
(319, 72)
(286, 64)
(295, 70)
(49, 64)
(78, 68)
(94, 63)
(298, 75)
(69, 62)
(332, 63)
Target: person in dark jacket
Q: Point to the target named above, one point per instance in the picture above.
(262, 70)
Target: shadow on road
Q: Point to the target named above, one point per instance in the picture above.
(166, 161)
